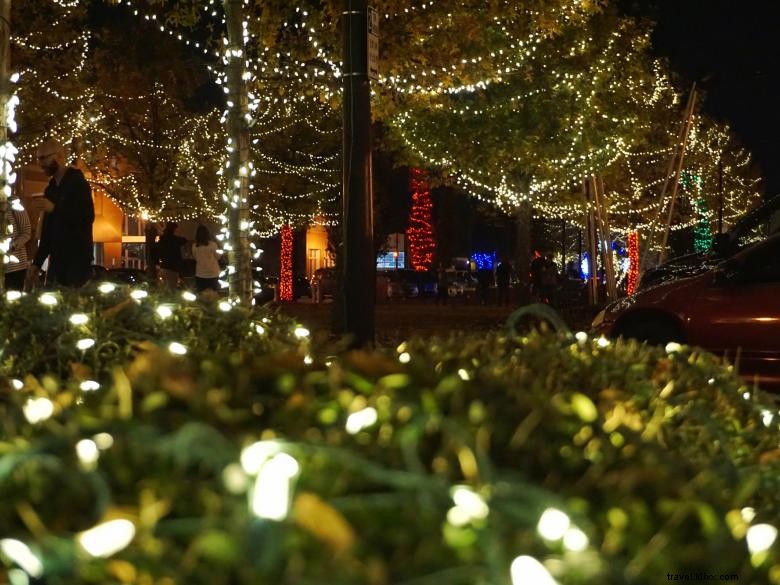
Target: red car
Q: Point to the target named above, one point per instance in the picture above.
(732, 309)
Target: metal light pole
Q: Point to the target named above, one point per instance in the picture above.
(359, 264)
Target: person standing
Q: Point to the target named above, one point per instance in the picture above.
(548, 280)
(442, 286)
(66, 235)
(536, 269)
(206, 256)
(485, 282)
(503, 278)
(16, 269)
(169, 252)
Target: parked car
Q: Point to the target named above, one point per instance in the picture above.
(730, 308)
(461, 282)
(301, 286)
(126, 275)
(426, 282)
(98, 272)
(267, 292)
(751, 228)
(402, 284)
(323, 284)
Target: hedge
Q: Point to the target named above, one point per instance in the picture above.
(259, 456)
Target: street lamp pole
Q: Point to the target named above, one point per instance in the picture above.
(359, 264)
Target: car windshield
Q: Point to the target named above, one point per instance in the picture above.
(754, 226)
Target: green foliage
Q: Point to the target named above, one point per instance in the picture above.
(650, 453)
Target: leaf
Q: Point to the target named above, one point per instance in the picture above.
(218, 546)
(584, 407)
(322, 520)
(154, 401)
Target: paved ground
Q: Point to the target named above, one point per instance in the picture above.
(397, 320)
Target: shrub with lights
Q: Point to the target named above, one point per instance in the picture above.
(166, 440)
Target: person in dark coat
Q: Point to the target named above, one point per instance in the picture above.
(66, 235)
(485, 282)
(536, 269)
(169, 252)
(503, 279)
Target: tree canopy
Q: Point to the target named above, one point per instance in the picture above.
(511, 101)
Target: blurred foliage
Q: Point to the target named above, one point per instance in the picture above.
(650, 453)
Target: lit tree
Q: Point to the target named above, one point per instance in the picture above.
(51, 47)
(515, 103)
(421, 243)
(154, 149)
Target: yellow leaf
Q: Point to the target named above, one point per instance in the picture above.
(125, 572)
(584, 407)
(323, 521)
(80, 371)
(116, 309)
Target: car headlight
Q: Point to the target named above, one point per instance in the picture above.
(599, 319)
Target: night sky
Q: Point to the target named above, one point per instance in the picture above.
(731, 48)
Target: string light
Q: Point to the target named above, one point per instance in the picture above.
(290, 89)
(286, 270)
(633, 259)
(420, 232)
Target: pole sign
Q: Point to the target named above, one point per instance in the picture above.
(373, 43)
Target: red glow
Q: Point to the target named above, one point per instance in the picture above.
(420, 232)
(286, 271)
(633, 258)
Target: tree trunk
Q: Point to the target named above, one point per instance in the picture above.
(523, 250)
(285, 285)
(605, 237)
(150, 252)
(7, 149)
(239, 254)
(593, 252)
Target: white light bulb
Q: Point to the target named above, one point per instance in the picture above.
(89, 386)
(21, 554)
(271, 497)
(107, 287)
(85, 343)
(553, 524)
(38, 409)
(761, 537)
(79, 319)
(177, 348)
(48, 299)
(108, 538)
(470, 502)
(357, 421)
(164, 311)
(575, 540)
(527, 570)
(87, 451)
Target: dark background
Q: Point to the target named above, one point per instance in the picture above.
(731, 48)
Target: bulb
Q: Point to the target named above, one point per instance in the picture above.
(553, 524)
(108, 538)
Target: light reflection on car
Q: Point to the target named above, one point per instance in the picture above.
(732, 309)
